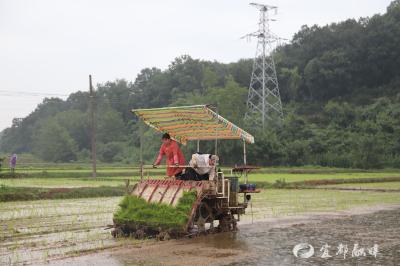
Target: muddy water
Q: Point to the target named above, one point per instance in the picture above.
(271, 243)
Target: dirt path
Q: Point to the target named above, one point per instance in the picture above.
(270, 242)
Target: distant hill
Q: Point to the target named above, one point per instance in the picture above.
(340, 85)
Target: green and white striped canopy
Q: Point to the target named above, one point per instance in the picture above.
(197, 122)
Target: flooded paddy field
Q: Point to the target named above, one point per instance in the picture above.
(382, 185)
(271, 242)
(73, 231)
(33, 232)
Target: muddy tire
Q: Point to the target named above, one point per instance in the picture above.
(227, 223)
(203, 215)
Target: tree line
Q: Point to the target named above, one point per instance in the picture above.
(340, 87)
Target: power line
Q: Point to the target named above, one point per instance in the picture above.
(30, 94)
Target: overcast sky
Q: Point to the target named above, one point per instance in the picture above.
(51, 46)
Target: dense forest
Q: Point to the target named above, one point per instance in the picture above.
(340, 86)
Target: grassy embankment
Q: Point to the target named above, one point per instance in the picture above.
(59, 182)
(63, 182)
(34, 193)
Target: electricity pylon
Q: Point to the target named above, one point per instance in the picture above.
(264, 101)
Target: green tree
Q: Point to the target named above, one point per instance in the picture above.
(77, 124)
(53, 143)
(328, 76)
(110, 126)
(111, 152)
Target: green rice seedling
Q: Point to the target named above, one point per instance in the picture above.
(135, 212)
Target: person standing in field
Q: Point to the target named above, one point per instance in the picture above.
(13, 162)
(1, 162)
(173, 154)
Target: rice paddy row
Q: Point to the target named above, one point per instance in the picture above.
(71, 184)
(38, 231)
(72, 179)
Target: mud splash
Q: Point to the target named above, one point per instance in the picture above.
(271, 242)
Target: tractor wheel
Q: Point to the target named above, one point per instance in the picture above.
(203, 215)
(227, 223)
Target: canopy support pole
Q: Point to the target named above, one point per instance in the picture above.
(141, 148)
(245, 161)
(93, 126)
(216, 133)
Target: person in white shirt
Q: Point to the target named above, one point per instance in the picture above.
(204, 165)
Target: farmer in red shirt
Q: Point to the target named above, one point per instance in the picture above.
(173, 154)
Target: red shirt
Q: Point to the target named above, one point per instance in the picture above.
(173, 156)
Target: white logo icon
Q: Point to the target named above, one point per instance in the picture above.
(303, 250)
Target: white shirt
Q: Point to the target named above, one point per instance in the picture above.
(201, 164)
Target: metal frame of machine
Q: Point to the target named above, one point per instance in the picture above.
(217, 199)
